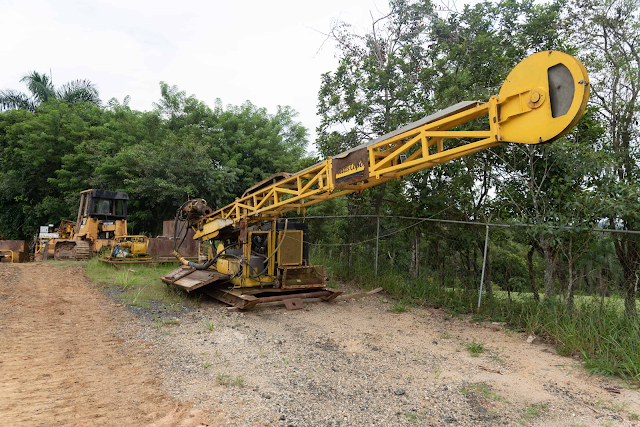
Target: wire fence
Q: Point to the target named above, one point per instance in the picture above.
(506, 260)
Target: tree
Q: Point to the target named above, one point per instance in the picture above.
(608, 34)
(414, 62)
(42, 90)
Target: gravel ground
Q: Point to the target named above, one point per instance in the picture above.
(356, 363)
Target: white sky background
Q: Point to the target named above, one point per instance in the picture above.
(268, 52)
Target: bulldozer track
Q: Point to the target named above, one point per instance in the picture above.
(71, 250)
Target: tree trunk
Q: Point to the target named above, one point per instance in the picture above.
(630, 297)
(603, 290)
(628, 253)
(459, 271)
(532, 279)
(548, 267)
(571, 284)
(487, 275)
(443, 269)
(414, 269)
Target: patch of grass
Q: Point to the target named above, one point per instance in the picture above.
(534, 411)
(209, 325)
(410, 416)
(229, 381)
(141, 285)
(205, 365)
(399, 307)
(475, 348)
(437, 371)
(126, 279)
(482, 390)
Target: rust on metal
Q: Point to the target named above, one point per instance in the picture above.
(19, 248)
(294, 304)
(353, 167)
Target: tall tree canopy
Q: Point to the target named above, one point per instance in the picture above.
(180, 149)
(42, 90)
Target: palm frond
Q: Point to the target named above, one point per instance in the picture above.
(40, 85)
(10, 99)
(79, 91)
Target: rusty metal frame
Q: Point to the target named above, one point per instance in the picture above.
(244, 300)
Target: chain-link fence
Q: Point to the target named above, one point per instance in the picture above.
(503, 260)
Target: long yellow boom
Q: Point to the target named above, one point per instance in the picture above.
(542, 98)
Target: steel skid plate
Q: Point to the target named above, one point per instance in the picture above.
(190, 279)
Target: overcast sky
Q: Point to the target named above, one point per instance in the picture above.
(268, 52)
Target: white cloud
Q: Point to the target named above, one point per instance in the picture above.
(263, 51)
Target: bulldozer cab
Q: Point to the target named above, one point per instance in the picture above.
(102, 205)
(102, 215)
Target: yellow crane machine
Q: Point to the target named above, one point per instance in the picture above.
(260, 259)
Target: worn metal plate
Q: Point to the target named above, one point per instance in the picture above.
(189, 279)
(294, 304)
(290, 247)
(353, 167)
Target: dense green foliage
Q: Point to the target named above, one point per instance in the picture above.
(181, 148)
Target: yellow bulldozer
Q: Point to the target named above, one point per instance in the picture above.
(101, 224)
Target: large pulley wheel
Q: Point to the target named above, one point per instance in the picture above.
(542, 98)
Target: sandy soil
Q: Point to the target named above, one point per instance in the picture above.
(60, 363)
(71, 355)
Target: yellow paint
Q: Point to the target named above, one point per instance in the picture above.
(349, 170)
(230, 266)
(520, 113)
(525, 121)
(211, 228)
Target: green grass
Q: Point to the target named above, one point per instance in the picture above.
(534, 411)
(399, 307)
(475, 348)
(482, 390)
(414, 418)
(209, 325)
(140, 282)
(229, 380)
(603, 336)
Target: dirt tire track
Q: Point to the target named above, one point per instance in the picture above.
(60, 363)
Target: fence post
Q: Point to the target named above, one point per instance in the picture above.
(375, 280)
(484, 264)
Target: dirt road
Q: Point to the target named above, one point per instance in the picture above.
(71, 354)
(60, 363)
